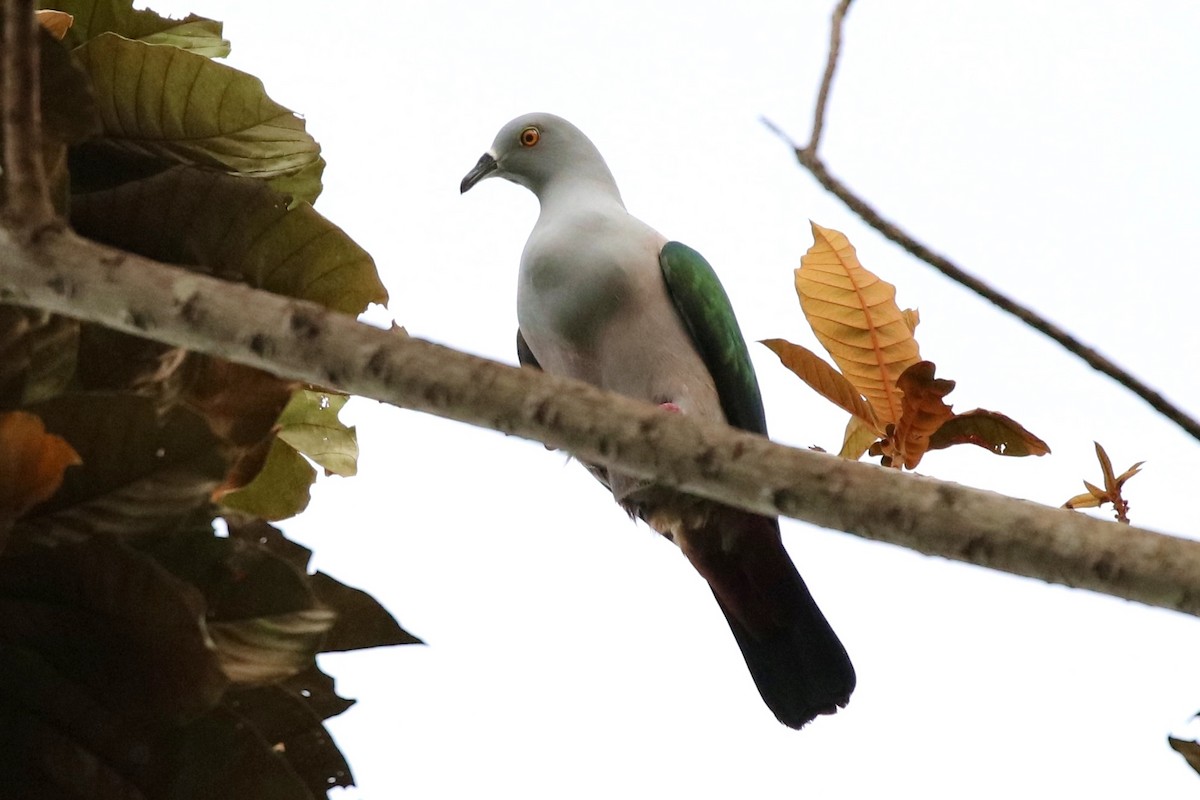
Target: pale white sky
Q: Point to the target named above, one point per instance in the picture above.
(1048, 147)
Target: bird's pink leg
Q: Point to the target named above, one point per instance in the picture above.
(674, 409)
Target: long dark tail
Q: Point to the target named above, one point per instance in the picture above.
(799, 665)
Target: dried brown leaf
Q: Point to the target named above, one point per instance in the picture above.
(239, 403)
(1189, 750)
(924, 411)
(989, 429)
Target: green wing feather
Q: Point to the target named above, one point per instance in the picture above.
(708, 316)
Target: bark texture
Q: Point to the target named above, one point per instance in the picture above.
(57, 271)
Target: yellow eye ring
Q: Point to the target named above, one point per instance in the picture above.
(529, 137)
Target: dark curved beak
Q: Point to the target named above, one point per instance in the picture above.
(486, 166)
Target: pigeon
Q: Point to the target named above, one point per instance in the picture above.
(604, 298)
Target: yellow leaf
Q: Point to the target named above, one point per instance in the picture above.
(824, 379)
(1086, 500)
(855, 317)
(32, 462)
(858, 439)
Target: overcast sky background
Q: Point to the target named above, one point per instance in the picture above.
(1050, 148)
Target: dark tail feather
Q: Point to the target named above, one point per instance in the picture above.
(799, 665)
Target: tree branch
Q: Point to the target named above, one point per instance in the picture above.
(835, 47)
(26, 197)
(808, 158)
(62, 273)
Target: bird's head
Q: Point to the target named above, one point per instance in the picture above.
(535, 150)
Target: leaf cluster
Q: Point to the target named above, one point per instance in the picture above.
(896, 404)
(1112, 491)
(144, 654)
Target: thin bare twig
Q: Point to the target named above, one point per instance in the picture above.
(835, 46)
(808, 158)
(27, 199)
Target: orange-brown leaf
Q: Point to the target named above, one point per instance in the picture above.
(56, 23)
(924, 411)
(1106, 468)
(239, 403)
(1129, 473)
(32, 462)
(855, 317)
(824, 379)
(1112, 492)
(989, 429)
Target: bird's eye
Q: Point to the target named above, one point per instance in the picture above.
(529, 137)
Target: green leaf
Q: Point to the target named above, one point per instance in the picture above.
(317, 689)
(264, 534)
(196, 34)
(55, 734)
(239, 579)
(178, 106)
(267, 649)
(69, 113)
(310, 424)
(289, 714)
(96, 17)
(37, 355)
(221, 754)
(114, 622)
(233, 227)
(139, 475)
(279, 491)
(111, 361)
(304, 185)
(361, 621)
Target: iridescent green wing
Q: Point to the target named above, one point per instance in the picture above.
(708, 316)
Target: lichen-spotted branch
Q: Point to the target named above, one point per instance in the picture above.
(65, 274)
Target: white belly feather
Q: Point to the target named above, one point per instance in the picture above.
(592, 304)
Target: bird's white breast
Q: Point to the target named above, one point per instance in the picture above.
(592, 304)
(579, 272)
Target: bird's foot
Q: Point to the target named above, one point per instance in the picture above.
(668, 406)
